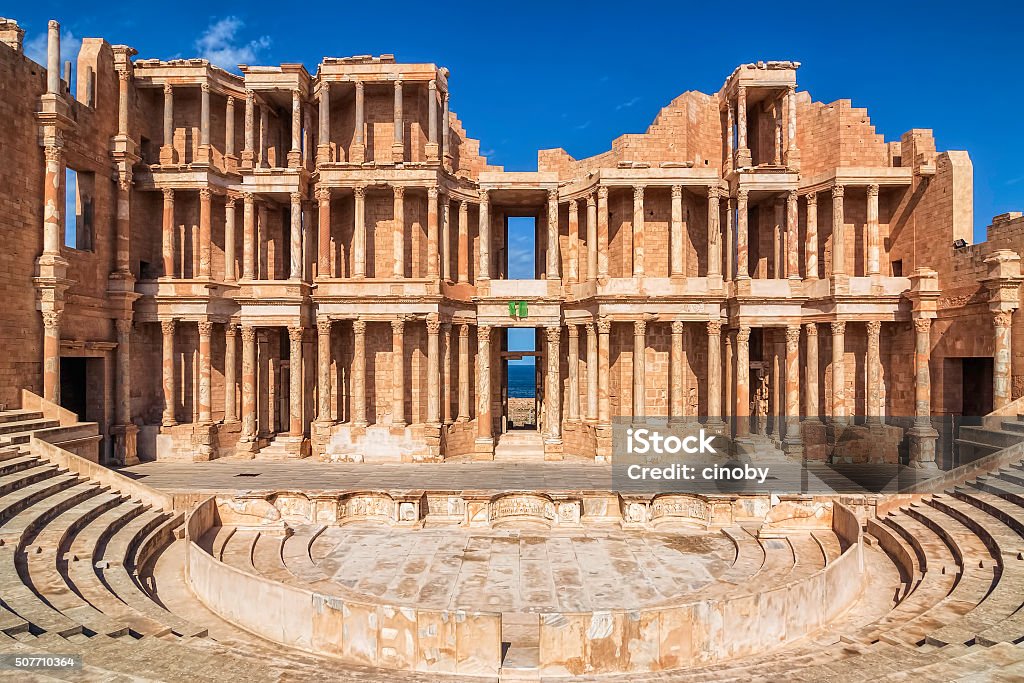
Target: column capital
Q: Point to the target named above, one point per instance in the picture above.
(464, 331)
(638, 192)
(812, 198)
(715, 328)
(792, 196)
(677, 192)
(250, 95)
(743, 334)
(123, 325)
(323, 324)
(792, 337)
(295, 333)
(873, 190)
(714, 192)
(432, 84)
(554, 333)
(248, 198)
(51, 320)
(574, 331)
(742, 194)
(205, 328)
(168, 194)
(463, 205)
(602, 192)
(323, 194)
(678, 326)
(837, 191)
(484, 195)
(168, 89)
(166, 326)
(248, 334)
(398, 325)
(205, 194)
(874, 327)
(922, 325)
(205, 87)
(838, 327)
(432, 193)
(553, 194)
(433, 324)
(231, 328)
(398, 83)
(604, 325)
(359, 191)
(229, 200)
(591, 200)
(296, 197)
(359, 326)
(483, 332)
(574, 208)
(1002, 318)
(589, 327)
(639, 327)
(399, 191)
(359, 85)
(811, 329)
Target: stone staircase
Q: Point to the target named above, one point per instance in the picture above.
(17, 426)
(977, 441)
(520, 445)
(284, 447)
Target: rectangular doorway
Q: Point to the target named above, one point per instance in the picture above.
(976, 383)
(519, 375)
(82, 389)
(521, 255)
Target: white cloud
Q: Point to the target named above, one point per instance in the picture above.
(220, 44)
(35, 48)
(628, 103)
(583, 126)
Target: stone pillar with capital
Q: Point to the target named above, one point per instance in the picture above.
(446, 127)
(573, 271)
(398, 241)
(743, 158)
(125, 431)
(591, 237)
(323, 237)
(483, 384)
(463, 415)
(838, 232)
(742, 267)
(792, 237)
(792, 443)
(230, 274)
(676, 251)
(249, 133)
(873, 237)
(323, 148)
(484, 232)
(170, 391)
(359, 233)
(1003, 283)
(742, 382)
(398, 146)
(677, 383)
(1002, 358)
(811, 237)
(248, 236)
(433, 374)
(792, 151)
(432, 237)
(248, 385)
(446, 373)
(714, 234)
(295, 153)
(230, 158)
(715, 420)
(839, 372)
(874, 416)
(167, 233)
(264, 156)
(359, 373)
(398, 372)
(604, 328)
(295, 252)
(204, 151)
(205, 372)
(463, 251)
(638, 231)
(812, 409)
(205, 240)
(552, 242)
(592, 378)
(432, 147)
(922, 435)
(446, 237)
(230, 369)
(358, 154)
(573, 409)
(730, 136)
(639, 365)
(602, 232)
(553, 394)
(323, 369)
(167, 155)
(295, 426)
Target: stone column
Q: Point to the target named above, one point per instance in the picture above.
(874, 328)
(433, 374)
(123, 413)
(323, 238)
(398, 256)
(638, 230)
(602, 232)
(432, 147)
(323, 368)
(792, 153)
(170, 392)
(922, 434)
(485, 237)
(677, 384)
(730, 134)
(446, 373)
(873, 246)
(205, 238)
(359, 232)
(249, 143)
(295, 383)
(323, 148)
(463, 253)
(1001, 374)
(398, 372)
(792, 237)
(730, 239)
(53, 57)
(714, 234)
(811, 372)
(676, 232)
(553, 395)
(167, 150)
(714, 373)
(639, 351)
(51, 356)
(53, 198)
(229, 133)
(398, 146)
(778, 239)
(295, 153)
(591, 372)
(358, 145)
(229, 239)
(838, 372)
(205, 368)
(445, 127)
(463, 373)
(483, 383)
(743, 158)
(811, 237)
(742, 269)
(359, 373)
(792, 443)
(264, 137)
(604, 328)
(248, 383)
(168, 233)
(591, 237)
(446, 238)
(248, 237)
(574, 373)
(728, 370)
(838, 232)
(573, 274)
(203, 152)
(742, 382)
(230, 368)
(432, 239)
(552, 245)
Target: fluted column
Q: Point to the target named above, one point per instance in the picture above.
(167, 150)
(573, 271)
(485, 237)
(873, 239)
(358, 155)
(248, 383)
(432, 147)
(167, 245)
(433, 374)
(874, 328)
(170, 392)
(792, 152)
(811, 372)
(811, 237)
(323, 148)
(205, 371)
(922, 434)
(604, 328)
(463, 253)
(742, 267)
(248, 237)
(295, 383)
(230, 369)
(839, 371)
(792, 441)
(638, 230)
(205, 238)
(838, 232)
(792, 237)
(591, 371)
(446, 237)
(323, 238)
(398, 146)
(552, 245)
(677, 384)
(743, 158)
(602, 232)
(574, 373)
(446, 373)
(230, 159)
(432, 238)
(229, 239)
(359, 233)
(591, 237)
(553, 395)
(714, 373)
(398, 255)
(359, 373)
(295, 153)
(463, 373)
(323, 368)
(742, 382)
(639, 351)
(249, 139)
(51, 356)
(714, 233)
(676, 232)
(1002, 359)
(398, 372)
(483, 383)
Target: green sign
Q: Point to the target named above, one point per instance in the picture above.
(518, 309)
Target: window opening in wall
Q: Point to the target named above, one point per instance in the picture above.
(79, 212)
(897, 268)
(521, 239)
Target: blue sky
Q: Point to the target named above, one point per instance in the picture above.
(530, 75)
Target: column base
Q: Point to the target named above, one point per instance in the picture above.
(553, 448)
(743, 158)
(231, 162)
(922, 447)
(125, 444)
(357, 153)
(433, 151)
(793, 447)
(203, 154)
(397, 153)
(793, 159)
(483, 448)
(248, 159)
(294, 158)
(166, 155)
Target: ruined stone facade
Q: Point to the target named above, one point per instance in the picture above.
(291, 265)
